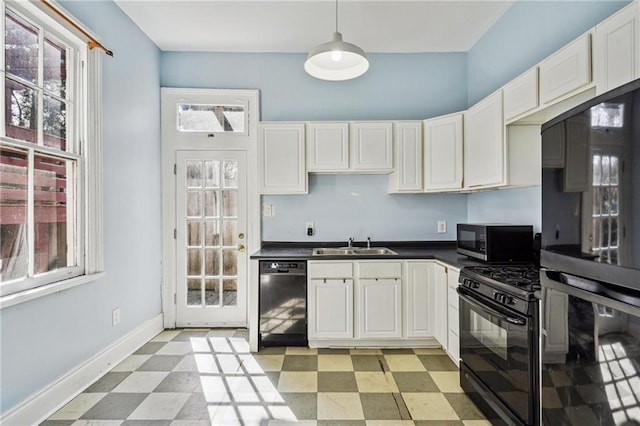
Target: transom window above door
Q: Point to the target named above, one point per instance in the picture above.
(212, 118)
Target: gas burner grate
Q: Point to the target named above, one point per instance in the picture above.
(523, 276)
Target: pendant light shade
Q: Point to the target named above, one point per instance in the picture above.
(336, 60)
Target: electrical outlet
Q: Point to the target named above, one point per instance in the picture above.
(442, 227)
(115, 316)
(309, 228)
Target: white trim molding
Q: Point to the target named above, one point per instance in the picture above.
(40, 406)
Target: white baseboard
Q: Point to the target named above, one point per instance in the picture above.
(43, 404)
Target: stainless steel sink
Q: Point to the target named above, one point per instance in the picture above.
(354, 251)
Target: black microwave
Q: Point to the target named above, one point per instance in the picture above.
(496, 242)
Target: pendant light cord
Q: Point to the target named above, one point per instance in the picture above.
(336, 15)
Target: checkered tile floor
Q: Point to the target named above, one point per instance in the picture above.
(203, 377)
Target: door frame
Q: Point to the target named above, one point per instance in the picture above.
(169, 147)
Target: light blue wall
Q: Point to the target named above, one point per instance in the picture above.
(397, 86)
(343, 206)
(528, 32)
(44, 339)
(521, 206)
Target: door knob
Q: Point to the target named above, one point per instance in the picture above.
(241, 235)
(241, 248)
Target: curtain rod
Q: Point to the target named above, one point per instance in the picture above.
(93, 43)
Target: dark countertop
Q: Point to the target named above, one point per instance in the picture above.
(444, 251)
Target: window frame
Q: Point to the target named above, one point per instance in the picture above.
(84, 147)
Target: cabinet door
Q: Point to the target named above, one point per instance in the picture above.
(443, 153)
(282, 158)
(566, 70)
(330, 308)
(327, 147)
(372, 146)
(419, 299)
(521, 94)
(453, 332)
(380, 307)
(484, 144)
(441, 306)
(407, 174)
(616, 57)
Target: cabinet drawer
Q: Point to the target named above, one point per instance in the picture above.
(330, 269)
(381, 269)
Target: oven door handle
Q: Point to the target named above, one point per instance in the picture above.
(467, 297)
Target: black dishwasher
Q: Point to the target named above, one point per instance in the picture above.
(283, 303)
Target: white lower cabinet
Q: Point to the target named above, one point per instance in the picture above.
(380, 307)
(440, 330)
(419, 317)
(330, 299)
(453, 316)
(330, 308)
(383, 302)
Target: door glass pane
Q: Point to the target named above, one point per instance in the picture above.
(212, 233)
(230, 234)
(230, 262)
(212, 174)
(212, 292)
(606, 176)
(193, 233)
(14, 250)
(194, 207)
(194, 292)
(53, 218)
(211, 208)
(55, 69)
(212, 262)
(230, 174)
(22, 111)
(21, 48)
(211, 118)
(55, 123)
(230, 203)
(194, 174)
(194, 262)
(597, 170)
(230, 292)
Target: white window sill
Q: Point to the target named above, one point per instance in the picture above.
(34, 293)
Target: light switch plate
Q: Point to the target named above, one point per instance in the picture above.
(442, 227)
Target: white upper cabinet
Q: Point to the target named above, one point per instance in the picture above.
(407, 175)
(281, 150)
(566, 70)
(327, 146)
(443, 153)
(521, 94)
(616, 55)
(484, 144)
(372, 146)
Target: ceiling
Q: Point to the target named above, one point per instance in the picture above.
(391, 26)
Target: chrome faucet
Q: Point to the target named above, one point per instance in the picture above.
(368, 242)
(350, 242)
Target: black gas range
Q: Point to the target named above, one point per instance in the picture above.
(499, 341)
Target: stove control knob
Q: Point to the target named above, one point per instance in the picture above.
(475, 284)
(508, 300)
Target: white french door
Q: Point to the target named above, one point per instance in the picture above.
(211, 223)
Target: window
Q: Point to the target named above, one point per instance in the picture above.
(49, 227)
(606, 211)
(212, 118)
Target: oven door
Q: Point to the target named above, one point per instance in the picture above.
(499, 346)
